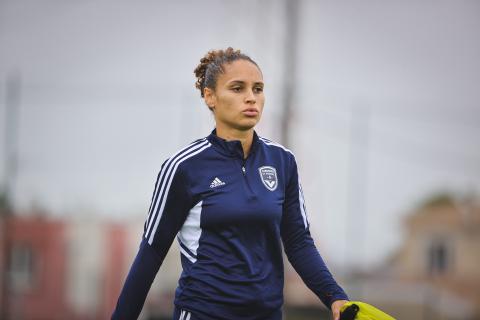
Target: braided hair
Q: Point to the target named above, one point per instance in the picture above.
(211, 65)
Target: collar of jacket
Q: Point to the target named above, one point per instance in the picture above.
(231, 148)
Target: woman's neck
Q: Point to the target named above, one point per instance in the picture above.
(245, 137)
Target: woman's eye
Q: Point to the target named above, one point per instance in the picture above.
(236, 89)
(258, 89)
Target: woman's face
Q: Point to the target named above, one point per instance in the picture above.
(238, 97)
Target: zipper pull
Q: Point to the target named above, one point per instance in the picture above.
(243, 170)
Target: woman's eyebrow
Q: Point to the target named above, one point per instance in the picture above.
(243, 82)
(236, 82)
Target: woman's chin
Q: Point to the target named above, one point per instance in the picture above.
(245, 126)
(249, 123)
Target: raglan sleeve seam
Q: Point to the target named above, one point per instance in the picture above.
(186, 182)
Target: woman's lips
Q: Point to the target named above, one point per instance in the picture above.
(250, 112)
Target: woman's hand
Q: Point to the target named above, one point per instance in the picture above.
(336, 305)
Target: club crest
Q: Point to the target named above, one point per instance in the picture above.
(269, 177)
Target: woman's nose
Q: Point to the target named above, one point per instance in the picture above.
(250, 98)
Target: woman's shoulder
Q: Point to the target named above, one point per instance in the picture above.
(276, 146)
(187, 153)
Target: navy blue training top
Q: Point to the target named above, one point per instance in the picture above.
(230, 216)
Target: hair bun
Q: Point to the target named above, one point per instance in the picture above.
(211, 66)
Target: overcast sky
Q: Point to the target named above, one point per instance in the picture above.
(386, 106)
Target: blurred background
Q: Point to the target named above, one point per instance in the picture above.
(379, 100)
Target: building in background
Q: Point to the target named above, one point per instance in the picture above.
(441, 255)
(61, 268)
(37, 269)
(435, 273)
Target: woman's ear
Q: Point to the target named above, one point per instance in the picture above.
(209, 96)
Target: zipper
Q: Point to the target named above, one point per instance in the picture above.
(250, 193)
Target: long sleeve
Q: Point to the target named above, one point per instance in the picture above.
(168, 210)
(300, 247)
(138, 283)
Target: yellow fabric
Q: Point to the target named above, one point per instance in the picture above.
(367, 312)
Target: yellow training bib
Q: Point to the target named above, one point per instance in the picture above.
(367, 312)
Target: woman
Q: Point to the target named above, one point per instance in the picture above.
(231, 199)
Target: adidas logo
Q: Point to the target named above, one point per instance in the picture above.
(216, 183)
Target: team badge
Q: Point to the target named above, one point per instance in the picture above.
(269, 177)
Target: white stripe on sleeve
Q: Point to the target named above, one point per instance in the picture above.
(164, 198)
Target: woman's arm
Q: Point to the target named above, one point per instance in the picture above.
(170, 205)
(300, 247)
(138, 283)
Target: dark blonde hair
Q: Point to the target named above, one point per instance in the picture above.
(211, 65)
